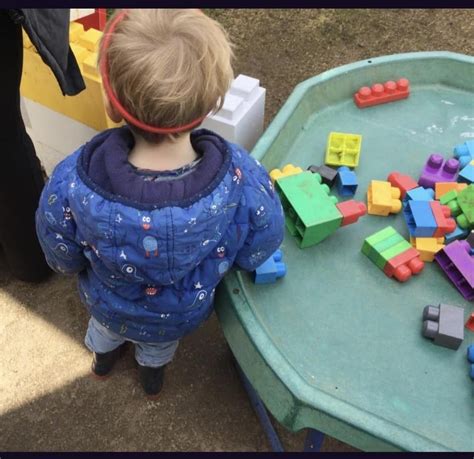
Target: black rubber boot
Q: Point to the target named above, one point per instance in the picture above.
(151, 380)
(102, 364)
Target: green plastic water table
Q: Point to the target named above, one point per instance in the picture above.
(336, 345)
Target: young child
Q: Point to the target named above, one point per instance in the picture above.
(152, 215)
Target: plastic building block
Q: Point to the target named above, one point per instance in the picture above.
(403, 182)
(441, 188)
(328, 174)
(346, 181)
(464, 152)
(343, 149)
(467, 173)
(351, 211)
(470, 358)
(311, 214)
(458, 264)
(470, 239)
(270, 270)
(428, 219)
(382, 93)
(383, 199)
(286, 171)
(465, 202)
(96, 20)
(420, 194)
(444, 324)
(86, 107)
(240, 120)
(392, 254)
(437, 169)
(427, 246)
(458, 233)
(470, 323)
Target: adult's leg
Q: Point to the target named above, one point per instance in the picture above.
(21, 179)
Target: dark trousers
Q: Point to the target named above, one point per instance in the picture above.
(21, 179)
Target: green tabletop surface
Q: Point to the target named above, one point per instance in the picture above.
(336, 345)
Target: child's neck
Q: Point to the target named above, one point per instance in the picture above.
(167, 155)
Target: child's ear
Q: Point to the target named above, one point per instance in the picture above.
(112, 112)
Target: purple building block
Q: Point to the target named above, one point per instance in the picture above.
(458, 264)
(437, 169)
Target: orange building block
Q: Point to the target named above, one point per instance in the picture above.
(286, 171)
(443, 187)
(427, 246)
(383, 199)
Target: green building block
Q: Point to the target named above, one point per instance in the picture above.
(311, 214)
(465, 202)
(384, 245)
(450, 199)
(343, 149)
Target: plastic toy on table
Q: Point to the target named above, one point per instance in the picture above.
(328, 174)
(441, 188)
(271, 270)
(428, 219)
(393, 254)
(437, 169)
(382, 93)
(457, 262)
(461, 205)
(464, 152)
(311, 214)
(285, 171)
(470, 322)
(427, 246)
(403, 182)
(466, 175)
(343, 149)
(444, 324)
(470, 358)
(419, 194)
(346, 181)
(383, 199)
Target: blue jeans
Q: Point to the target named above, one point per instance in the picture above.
(101, 340)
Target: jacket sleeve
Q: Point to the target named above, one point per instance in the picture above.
(55, 225)
(264, 213)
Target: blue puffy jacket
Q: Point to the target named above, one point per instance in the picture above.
(150, 255)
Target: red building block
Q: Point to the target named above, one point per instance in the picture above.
(351, 211)
(382, 93)
(96, 20)
(470, 322)
(403, 266)
(441, 215)
(403, 182)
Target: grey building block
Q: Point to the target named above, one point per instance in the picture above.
(444, 324)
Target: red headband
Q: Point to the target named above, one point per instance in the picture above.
(113, 98)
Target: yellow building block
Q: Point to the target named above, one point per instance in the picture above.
(288, 169)
(444, 187)
(39, 84)
(427, 246)
(383, 199)
(343, 149)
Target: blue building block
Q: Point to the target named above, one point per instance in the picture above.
(418, 194)
(420, 219)
(467, 174)
(271, 270)
(346, 181)
(464, 152)
(458, 233)
(470, 358)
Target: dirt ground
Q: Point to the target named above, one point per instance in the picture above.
(48, 400)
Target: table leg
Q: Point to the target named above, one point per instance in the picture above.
(314, 441)
(262, 414)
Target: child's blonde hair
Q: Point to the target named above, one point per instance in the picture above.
(168, 67)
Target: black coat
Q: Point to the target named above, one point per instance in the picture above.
(48, 30)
